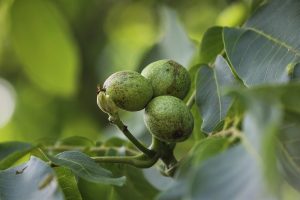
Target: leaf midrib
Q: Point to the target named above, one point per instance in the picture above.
(218, 94)
(275, 40)
(290, 159)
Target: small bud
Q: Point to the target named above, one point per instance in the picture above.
(106, 104)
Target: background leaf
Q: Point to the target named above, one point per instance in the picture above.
(33, 180)
(213, 104)
(175, 43)
(4, 24)
(44, 45)
(262, 49)
(75, 141)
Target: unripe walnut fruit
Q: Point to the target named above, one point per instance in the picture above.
(168, 78)
(169, 119)
(129, 90)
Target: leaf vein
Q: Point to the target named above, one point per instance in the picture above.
(275, 40)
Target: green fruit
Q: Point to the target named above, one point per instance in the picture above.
(129, 90)
(169, 119)
(168, 78)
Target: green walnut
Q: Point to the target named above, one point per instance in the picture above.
(129, 90)
(169, 119)
(168, 78)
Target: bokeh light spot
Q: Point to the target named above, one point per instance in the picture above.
(7, 102)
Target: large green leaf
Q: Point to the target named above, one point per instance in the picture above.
(68, 183)
(211, 82)
(33, 180)
(10, 152)
(45, 47)
(262, 49)
(84, 167)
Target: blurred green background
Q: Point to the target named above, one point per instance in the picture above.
(53, 53)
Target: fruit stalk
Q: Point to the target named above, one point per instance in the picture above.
(106, 104)
(122, 127)
(165, 153)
